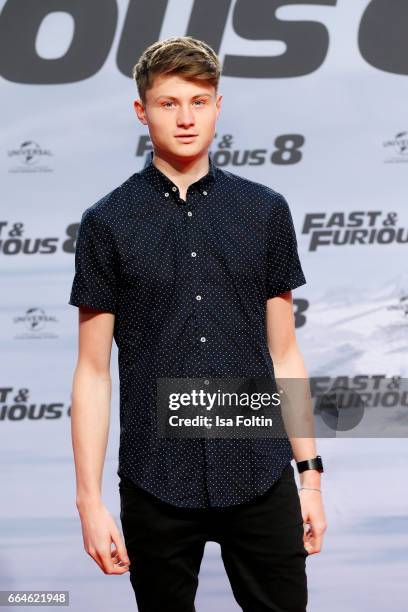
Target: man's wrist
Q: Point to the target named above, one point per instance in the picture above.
(313, 463)
(310, 478)
(86, 500)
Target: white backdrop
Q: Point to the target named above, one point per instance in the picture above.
(325, 79)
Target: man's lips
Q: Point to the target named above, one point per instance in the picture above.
(186, 135)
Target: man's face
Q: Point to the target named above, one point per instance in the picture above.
(181, 116)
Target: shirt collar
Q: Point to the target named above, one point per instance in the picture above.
(163, 184)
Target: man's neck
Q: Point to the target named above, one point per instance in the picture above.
(182, 172)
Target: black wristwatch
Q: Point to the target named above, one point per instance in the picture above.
(310, 464)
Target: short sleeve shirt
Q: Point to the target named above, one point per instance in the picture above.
(188, 281)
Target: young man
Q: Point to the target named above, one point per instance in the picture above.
(190, 268)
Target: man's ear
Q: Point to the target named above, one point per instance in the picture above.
(140, 111)
(218, 103)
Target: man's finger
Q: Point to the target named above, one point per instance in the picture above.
(107, 563)
(120, 547)
(116, 559)
(313, 541)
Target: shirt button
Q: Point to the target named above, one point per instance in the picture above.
(204, 193)
(166, 195)
(206, 382)
(193, 254)
(174, 188)
(190, 214)
(202, 339)
(198, 297)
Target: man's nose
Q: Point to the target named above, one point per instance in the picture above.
(185, 116)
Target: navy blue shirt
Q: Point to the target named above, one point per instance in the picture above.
(188, 281)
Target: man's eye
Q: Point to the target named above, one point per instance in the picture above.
(169, 103)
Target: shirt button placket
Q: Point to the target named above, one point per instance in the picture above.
(195, 276)
(210, 459)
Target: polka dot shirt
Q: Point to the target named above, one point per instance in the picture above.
(188, 282)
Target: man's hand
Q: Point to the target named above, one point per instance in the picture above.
(314, 520)
(99, 530)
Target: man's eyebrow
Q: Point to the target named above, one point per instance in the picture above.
(200, 95)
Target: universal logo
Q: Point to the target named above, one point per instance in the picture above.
(30, 157)
(36, 324)
(398, 148)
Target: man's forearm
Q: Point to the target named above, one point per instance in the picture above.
(90, 415)
(288, 368)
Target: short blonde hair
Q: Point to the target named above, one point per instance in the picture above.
(184, 55)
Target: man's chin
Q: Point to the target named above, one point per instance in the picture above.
(188, 152)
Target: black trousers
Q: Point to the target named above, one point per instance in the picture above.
(261, 548)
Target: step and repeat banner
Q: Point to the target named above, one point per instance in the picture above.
(315, 98)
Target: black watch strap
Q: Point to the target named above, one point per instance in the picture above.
(310, 464)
